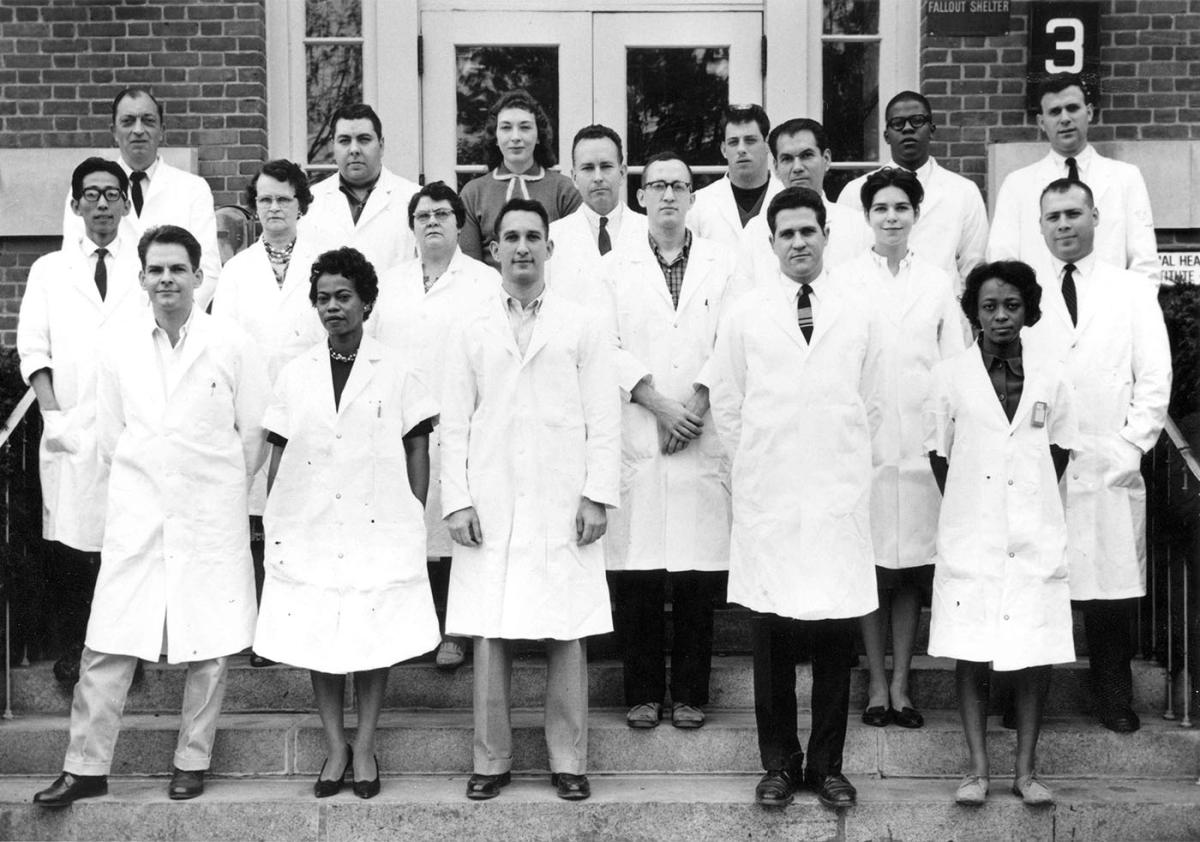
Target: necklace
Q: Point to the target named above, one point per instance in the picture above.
(343, 358)
(279, 255)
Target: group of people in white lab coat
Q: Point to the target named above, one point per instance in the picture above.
(747, 381)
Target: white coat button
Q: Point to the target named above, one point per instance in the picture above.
(1074, 476)
(1012, 555)
(1010, 482)
(343, 555)
(338, 436)
(338, 496)
(1006, 616)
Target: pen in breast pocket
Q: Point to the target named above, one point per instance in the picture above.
(213, 390)
(379, 410)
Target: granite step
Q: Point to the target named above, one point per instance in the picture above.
(623, 808)
(440, 742)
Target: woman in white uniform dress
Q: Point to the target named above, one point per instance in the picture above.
(346, 587)
(1004, 422)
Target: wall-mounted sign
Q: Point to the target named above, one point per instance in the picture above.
(967, 17)
(1063, 38)
(1180, 267)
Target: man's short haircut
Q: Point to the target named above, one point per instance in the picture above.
(136, 92)
(281, 169)
(666, 155)
(753, 112)
(1059, 82)
(438, 191)
(899, 177)
(351, 265)
(170, 235)
(357, 111)
(908, 96)
(793, 127)
(1020, 275)
(543, 152)
(1065, 185)
(792, 198)
(519, 204)
(598, 132)
(94, 164)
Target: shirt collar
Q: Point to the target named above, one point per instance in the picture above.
(184, 329)
(683, 252)
(511, 301)
(1082, 160)
(881, 261)
(87, 247)
(1015, 363)
(150, 170)
(349, 189)
(924, 172)
(593, 218)
(1083, 266)
(792, 288)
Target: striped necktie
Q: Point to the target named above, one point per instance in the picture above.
(804, 311)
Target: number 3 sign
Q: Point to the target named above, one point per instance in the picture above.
(1063, 38)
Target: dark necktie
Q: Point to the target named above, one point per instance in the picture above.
(804, 312)
(1072, 169)
(1068, 291)
(101, 273)
(136, 178)
(603, 240)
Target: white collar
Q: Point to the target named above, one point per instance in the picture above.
(150, 170)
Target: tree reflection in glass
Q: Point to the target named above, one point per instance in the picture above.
(334, 78)
(484, 73)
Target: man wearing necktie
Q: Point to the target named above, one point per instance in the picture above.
(1125, 233)
(158, 193)
(1105, 324)
(795, 398)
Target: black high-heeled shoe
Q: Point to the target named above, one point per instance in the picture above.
(323, 788)
(368, 789)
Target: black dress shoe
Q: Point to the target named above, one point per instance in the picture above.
(186, 784)
(368, 789)
(908, 717)
(70, 788)
(325, 788)
(483, 787)
(257, 660)
(877, 716)
(571, 787)
(1121, 720)
(777, 788)
(834, 790)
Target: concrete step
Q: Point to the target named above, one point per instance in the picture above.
(436, 742)
(419, 685)
(623, 808)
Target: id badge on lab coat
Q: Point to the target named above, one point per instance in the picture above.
(1040, 411)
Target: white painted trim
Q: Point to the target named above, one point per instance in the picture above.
(595, 5)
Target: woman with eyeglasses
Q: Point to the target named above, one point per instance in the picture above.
(520, 152)
(265, 290)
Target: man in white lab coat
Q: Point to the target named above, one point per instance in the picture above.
(365, 204)
(800, 149)
(1108, 329)
(70, 298)
(795, 398)
(723, 209)
(1125, 234)
(159, 193)
(531, 442)
(952, 232)
(603, 222)
(179, 411)
(665, 297)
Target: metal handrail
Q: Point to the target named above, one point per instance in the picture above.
(10, 426)
(16, 416)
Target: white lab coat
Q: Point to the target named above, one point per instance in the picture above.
(346, 587)
(674, 512)
(59, 328)
(714, 214)
(574, 270)
(919, 324)
(172, 197)
(522, 440)
(952, 230)
(176, 553)
(799, 419)
(382, 233)
(1119, 364)
(1125, 235)
(849, 236)
(1000, 591)
(417, 324)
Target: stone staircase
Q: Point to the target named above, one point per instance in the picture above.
(662, 784)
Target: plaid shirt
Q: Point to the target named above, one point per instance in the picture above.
(673, 272)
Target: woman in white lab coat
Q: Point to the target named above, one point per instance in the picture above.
(346, 587)
(919, 325)
(265, 290)
(1001, 599)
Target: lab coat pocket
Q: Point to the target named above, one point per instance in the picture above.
(214, 405)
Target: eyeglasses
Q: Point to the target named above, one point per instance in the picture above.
(110, 194)
(660, 187)
(896, 124)
(441, 215)
(272, 201)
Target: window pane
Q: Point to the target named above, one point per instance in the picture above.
(851, 96)
(486, 73)
(334, 77)
(332, 18)
(674, 100)
(852, 17)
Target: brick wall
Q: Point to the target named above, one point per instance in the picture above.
(61, 62)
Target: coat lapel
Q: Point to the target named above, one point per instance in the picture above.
(643, 258)
(197, 341)
(829, 312)
(699, 265)
(544, 327)
(370, 352)
(782, 311)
